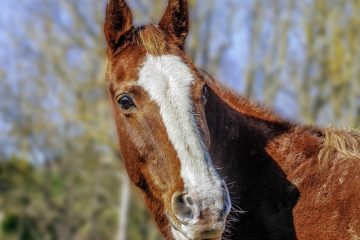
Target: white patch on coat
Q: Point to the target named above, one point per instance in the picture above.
(168, 80)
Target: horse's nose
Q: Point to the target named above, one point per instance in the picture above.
(191, 209)
(183, 207)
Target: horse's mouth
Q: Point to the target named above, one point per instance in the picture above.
(204, 235)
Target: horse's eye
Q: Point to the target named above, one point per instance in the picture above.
(126, 102)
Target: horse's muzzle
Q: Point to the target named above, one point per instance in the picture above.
(201, 214)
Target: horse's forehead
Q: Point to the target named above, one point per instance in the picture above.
(157, 75)
(168, 73)
(125, 67)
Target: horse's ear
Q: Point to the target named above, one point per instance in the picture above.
(175, 21)
(118, 22)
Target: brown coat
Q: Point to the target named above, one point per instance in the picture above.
(289, 181)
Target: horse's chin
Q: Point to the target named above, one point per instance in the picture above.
(180, 236)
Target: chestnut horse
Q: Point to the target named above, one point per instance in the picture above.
(175, 124)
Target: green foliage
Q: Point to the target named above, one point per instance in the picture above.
(39, 203)
(18, 180)
(23, 227)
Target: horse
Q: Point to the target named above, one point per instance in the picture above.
(212, 164)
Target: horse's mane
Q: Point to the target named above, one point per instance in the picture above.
(340, 144)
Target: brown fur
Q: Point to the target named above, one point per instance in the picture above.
(239, 103)
(139, 134)
(315, 173)
(291, 181)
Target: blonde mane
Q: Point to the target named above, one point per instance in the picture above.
(340, 144)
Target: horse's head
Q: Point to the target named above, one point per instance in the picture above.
(158, 99)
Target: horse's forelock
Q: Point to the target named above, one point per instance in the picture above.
(153, 40)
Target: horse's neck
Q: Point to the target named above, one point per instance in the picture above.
(242, 131)
(252, 150)
(239, 131)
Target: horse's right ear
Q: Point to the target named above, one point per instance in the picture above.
(175, 21)
(118, 22)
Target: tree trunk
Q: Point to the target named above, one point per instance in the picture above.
(123, 207)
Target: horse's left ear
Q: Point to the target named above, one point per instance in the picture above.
(175, 21)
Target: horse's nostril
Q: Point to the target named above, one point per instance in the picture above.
(182, 207)
(189, 201)
(180, 199)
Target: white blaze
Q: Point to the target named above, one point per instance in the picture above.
(168, 81)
